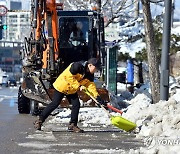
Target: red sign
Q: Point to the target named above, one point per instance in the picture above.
(3, 10)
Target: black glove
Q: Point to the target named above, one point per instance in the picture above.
(102, 102)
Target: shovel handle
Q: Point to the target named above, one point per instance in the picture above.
(94, 99)
(109, 106)
(114, 109)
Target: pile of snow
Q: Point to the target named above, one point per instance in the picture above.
(157, 124)
(161, 119)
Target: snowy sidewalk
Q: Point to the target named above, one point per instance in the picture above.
(97, 139)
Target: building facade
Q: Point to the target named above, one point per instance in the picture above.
(18, 26)
(16, 4)
(17, 20)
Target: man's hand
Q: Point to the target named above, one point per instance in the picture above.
(82, 88)
(102, 102)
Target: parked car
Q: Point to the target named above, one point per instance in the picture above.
(12, 82)
(4, 80)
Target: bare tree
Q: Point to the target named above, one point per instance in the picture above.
(151, 51)
(136, 8)
(113, 10)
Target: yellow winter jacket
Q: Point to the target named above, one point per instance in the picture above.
(69, 83)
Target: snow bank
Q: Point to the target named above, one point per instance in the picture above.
(158, 124)
(161, 119)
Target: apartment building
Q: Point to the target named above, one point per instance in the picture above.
(18, 25)
(17, 19)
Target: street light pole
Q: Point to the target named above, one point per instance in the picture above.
(172, 15)
(164, 83)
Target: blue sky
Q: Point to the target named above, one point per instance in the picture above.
(177, 9)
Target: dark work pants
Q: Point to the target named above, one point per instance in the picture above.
(57, 97)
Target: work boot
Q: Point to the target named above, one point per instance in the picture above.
(38, 124)
(74, 128)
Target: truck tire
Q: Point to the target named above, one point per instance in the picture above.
(34, 108)
(23, 103)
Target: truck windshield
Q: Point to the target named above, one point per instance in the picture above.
(73, 31)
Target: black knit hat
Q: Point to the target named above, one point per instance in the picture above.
(96, 62)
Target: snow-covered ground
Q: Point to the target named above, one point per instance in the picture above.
(157, 124)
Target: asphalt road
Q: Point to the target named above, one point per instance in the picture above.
(17, 134)
(13, 127)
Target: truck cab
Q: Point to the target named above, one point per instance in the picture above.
(79, 36)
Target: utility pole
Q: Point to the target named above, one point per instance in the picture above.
(164, 83)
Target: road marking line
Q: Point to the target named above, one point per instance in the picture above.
(11, 104)
(1, 99)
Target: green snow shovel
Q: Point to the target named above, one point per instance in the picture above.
(117, 121)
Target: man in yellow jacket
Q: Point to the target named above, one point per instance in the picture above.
(76, 76)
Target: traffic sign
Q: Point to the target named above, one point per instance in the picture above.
(3, 10)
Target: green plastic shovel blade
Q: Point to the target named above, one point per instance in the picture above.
(122, 123)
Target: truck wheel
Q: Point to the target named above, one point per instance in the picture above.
(23, 103)
(34, 108)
